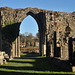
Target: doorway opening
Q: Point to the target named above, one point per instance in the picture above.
(29, 35)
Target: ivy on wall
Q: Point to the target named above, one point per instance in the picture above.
(9, 23)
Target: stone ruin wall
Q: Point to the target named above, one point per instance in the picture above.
(12, 16)
(58, 21)
(17, 15)
(50, 21)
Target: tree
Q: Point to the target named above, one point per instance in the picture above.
(37, 35)
(29, 39)
(26, 34)
(22, 38)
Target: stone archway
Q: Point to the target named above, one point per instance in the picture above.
(12, 18)
(38, 17)
(38, 24)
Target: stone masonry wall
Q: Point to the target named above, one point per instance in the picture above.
(53, 28)
(11, 18)
(58, 22)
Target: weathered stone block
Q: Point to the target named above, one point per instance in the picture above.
(1, 62)
(73, 68)
(3, 58)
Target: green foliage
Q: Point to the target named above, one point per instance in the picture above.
(14, 42)
(9, 23)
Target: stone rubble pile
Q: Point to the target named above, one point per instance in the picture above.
(3, 58)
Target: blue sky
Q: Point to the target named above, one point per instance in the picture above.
(29, 24)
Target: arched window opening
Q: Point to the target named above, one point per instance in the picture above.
(29, 35)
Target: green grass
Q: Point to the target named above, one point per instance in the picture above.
(31, 64)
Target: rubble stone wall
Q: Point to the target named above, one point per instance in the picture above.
(55, 28)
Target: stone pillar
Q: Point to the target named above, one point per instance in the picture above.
(61, 52)
(66, 51)
(18, 46)
(40, 43)
(13, 49)
(52, 52)
(0, 34)
(44, 49)
(0, 40)
(44, 46)
(62, 49)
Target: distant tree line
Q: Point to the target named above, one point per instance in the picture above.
(27, 39)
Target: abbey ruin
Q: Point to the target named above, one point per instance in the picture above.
(56, 31)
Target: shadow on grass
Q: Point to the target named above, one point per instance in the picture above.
(30, 55)
(40, 64)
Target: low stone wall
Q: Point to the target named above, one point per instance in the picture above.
(3, 58)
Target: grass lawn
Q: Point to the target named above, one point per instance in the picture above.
(31, 64)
